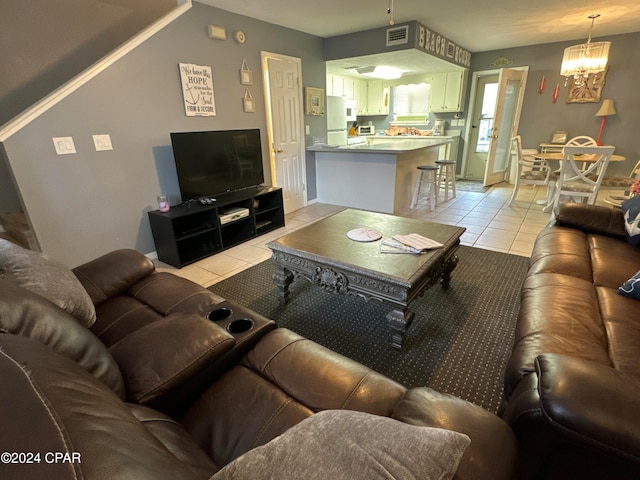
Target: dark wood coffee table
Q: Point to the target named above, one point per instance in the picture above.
(323, 254)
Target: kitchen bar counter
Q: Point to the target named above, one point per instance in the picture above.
(396, 145)
(378, 176)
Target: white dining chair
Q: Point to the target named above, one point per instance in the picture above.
(579, 141)
(531, 170)
(621, 182)
(578, 182)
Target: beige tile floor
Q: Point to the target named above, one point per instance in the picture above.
(490, 222)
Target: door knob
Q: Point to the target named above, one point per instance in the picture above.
(279, 150)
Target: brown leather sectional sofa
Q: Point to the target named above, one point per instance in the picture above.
(572, 384)
(173, 382)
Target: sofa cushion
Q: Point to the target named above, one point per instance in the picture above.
(284, 379)
(47, 277)
(347, 445)
(631, 211)
(50, 404)
(631, 288)
(28, 314)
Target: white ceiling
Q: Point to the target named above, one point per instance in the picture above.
(477, 25)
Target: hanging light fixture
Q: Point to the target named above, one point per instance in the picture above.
(390, 12)
(588, 58)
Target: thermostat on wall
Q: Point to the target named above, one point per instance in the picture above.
(239, 36)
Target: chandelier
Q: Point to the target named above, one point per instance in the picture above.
(580, 61)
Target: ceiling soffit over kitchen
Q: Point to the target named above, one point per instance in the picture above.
(411, 47)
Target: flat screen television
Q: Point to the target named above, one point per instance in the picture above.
(210, 163)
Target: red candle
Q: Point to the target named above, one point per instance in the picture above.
(543, 82)
(556, 92)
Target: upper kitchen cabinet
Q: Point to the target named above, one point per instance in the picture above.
(447, 91)
(371, 96)
(377, 98)
(340, 86)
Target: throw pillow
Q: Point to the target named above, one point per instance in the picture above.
(348, 445)
(49, 278)
(631, 288)
(631, 211)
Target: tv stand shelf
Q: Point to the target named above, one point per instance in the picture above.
(192, 231)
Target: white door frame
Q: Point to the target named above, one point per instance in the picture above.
(473, 93)
(265, 56)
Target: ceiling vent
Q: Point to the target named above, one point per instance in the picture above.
(397, 35)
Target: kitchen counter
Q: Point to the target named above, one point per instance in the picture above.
(378, 176)
(386, 145)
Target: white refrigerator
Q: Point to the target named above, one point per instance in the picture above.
(336, 120)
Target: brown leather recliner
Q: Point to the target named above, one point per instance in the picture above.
(572, 387)
(229, 384)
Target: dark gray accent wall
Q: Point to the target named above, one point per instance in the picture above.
(541, 117)
(86, 204)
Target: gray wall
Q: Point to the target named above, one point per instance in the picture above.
(89, 203)
(43, 43)
(541, 117)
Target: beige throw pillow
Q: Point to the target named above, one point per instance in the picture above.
(49, 278)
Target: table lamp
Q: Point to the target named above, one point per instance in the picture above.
(606, 109)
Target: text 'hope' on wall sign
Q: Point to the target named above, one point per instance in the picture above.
(440, 46)
(197, 89)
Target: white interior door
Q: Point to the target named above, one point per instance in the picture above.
(505, 120)
(283, 96)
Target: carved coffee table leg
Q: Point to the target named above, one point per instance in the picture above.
(282, 279)
(446, 274)
(399, 320)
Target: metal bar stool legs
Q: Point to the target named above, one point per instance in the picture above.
(426, 185)
(446, 177)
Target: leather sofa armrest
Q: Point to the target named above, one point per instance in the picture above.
(591, 219)
(591, 403)
(113, 273)
(158, 358)
(492, 453)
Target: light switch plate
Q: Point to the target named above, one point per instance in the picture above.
(461, 122)
(64, 145)
(102, 142)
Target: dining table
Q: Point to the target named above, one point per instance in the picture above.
(586, 157)
(558, 157)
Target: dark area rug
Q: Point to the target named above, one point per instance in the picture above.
(459, 341)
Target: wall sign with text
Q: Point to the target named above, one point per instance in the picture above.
(440, 46)
(197, 90)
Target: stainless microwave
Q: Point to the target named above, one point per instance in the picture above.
(366, 130)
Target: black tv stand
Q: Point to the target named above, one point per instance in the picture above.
(192, 231)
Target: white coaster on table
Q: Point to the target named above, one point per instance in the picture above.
(364, 234)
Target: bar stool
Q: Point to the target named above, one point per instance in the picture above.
(427, 177)
(446, 177)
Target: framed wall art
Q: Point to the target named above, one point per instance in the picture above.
(314, 104)
(246, 77)
(248, 104)
(589, 92)
(197, 90)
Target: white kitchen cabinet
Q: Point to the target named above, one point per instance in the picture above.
(340, 86)
(377, 98)
(371, 96)
(361, 92)
(334, 85)
(447, 91)
(348, 87)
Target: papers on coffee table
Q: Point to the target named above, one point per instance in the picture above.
(411, 243)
